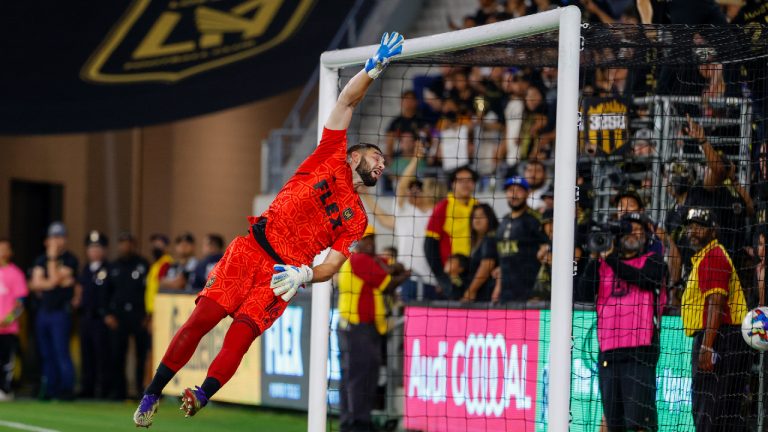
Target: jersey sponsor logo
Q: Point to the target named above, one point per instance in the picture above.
(167, 42)
(347, 214)
(331, 208)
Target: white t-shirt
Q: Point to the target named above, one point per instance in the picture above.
(513, 114)
(454, 142)
(410, 231)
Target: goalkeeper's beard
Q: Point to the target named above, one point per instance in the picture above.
(366, 173)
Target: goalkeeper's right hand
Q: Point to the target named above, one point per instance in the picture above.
(288, 279)
(391, 45)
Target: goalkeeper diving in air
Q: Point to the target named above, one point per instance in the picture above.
(318, 208)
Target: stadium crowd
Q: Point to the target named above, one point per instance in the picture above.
(465, 133)
(668, 222)
(107, 302)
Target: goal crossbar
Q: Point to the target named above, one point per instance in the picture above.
(567, 21)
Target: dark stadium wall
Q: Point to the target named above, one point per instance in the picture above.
(199, 175)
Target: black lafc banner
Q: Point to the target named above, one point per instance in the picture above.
(80, 66)
(604, 123)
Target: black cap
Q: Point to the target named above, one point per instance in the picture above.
(96, 238)
(702, 216)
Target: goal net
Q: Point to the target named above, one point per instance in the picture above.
(514, 165)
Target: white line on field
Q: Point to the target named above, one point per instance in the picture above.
(24, 427)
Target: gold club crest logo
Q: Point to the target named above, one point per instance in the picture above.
(170, 41)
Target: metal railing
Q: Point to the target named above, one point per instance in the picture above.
(666, 121)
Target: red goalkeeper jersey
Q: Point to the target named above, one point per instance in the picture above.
(318, 207)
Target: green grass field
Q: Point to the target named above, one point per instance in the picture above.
(31, 415)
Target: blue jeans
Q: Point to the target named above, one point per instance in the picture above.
(52, 328)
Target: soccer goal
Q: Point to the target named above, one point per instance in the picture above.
(494, 44)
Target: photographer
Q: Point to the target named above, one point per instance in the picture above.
(626, 278)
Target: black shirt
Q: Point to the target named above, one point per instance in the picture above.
(128, 277)
(60, 296)
(96, 290)
(518, 240)
(485, 250)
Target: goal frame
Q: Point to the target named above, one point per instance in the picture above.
(567, 21)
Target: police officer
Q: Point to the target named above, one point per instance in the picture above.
(127, 276)
(92, 294)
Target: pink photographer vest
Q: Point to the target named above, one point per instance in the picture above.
(626, 321)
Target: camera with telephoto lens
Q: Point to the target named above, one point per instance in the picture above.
(603, 235)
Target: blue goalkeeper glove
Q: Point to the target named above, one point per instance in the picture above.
(391, 45)
(288, 279)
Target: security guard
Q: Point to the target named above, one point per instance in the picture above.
(92, 294)
(126, 316)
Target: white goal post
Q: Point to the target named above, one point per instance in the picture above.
(567, 21)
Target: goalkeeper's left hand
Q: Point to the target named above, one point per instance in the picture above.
(391, 45)
(288, 279)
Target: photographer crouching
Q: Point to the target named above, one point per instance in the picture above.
(626, 279)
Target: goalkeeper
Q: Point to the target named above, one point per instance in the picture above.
(318, 208)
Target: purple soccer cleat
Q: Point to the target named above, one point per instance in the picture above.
(146, 410)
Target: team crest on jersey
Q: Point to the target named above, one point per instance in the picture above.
(210, 282)
(347, 213)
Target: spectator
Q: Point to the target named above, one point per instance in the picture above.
(760, 240)
(628, 200)
(363, 282)
(448, 229)
(408, 142)
(542, 289)
(456, 267)
(127, 312)
(626, 281)
(414, 202)
(454, 145)
(547, 200)
(516, 8)
(713, 307)
(462, 93)
(92, 295)
(483, 257)
(487, 133)
(409, 120)
(162, 262)
(532, 127)
(13, 289)
(519, 237)
(486, 9)
(180, 272)
(516, 86)
(213, 248)
(538, 182)
(720, 191)
(53, 281)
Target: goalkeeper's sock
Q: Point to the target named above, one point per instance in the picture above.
(162, 377)
(210, 386)
(239, 338)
